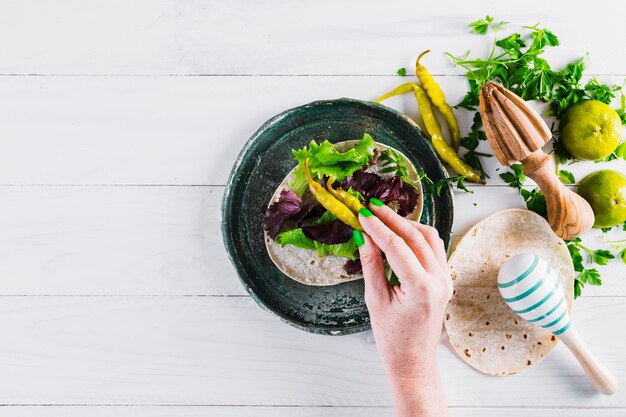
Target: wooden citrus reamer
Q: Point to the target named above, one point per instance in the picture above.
(517, 133)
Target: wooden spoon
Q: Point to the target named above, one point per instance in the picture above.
(517, 133)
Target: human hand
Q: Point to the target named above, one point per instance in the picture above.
(406, 319)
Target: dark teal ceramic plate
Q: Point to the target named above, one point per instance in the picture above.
(266, 160)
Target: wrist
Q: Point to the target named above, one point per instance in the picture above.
(420, 393)
(412, 366)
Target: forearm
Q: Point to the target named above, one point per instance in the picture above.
(419, 395)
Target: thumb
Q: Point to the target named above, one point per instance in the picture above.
(376, 285)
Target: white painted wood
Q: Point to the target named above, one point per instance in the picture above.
(281, 37)
(160, 240)
(168, 130)
(269, 411)
(599, 376)
(112, 261)
(227, 351)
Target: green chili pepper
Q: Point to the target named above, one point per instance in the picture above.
(330, 203)
(438, 98)
(350, 201)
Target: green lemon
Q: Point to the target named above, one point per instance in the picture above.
(605, 190)
(590, 129)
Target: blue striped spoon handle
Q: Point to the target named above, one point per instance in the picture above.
(533, 290)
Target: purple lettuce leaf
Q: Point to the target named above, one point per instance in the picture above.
(287, 207)
(371, 185)
(353, 267)
(290, 211)
(331, 233)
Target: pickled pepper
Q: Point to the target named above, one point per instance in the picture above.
(352, 202)
(433, 129)
(438, 98)
(329, 202)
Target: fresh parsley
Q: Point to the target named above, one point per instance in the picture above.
(566, 177)
(394, 162)
(459, 181)
(516, 62)
(534, 199)
(401, 72)
(586, 275)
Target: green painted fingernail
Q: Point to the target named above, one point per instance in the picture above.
(358, 238)
(365, 212)
(376, 202)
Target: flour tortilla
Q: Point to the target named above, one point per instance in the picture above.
(483, 329)
(303, 265)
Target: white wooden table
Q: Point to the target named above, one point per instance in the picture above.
(120, 121)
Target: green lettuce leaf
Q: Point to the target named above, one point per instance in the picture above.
(346, 250)
(295, 237)
(323, 161)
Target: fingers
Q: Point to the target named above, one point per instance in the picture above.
(434, 241)
(413, 236)
(376, 286)
(399, 255)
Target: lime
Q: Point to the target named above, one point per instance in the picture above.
(605, 190)
(590, 129)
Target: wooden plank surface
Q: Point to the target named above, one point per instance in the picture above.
(116, 295)
(281, 37)
(225, 350)
(169, 130)
(160, 240)
(252, 411)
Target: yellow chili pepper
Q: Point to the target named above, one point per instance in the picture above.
(401, 89)
(438, 98)
(433, 129)
(330, 203)
(444, 150)
(352, 202)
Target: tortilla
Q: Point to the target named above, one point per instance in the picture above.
(483, 329)
(303, 265)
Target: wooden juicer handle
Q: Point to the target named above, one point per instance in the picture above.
(569, 214)
(516, 132)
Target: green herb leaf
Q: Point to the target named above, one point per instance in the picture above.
(459, 181)
(622, 254)
(391, 276)
(601, 256)
(481, 26)
(566, 177)
(622, 109)
(577, 288)
(516, 178)
(394, 162)
(535, 201)
(588, 275)
(401, 72)
(512, 45)
(562, 155)
(591, 276)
